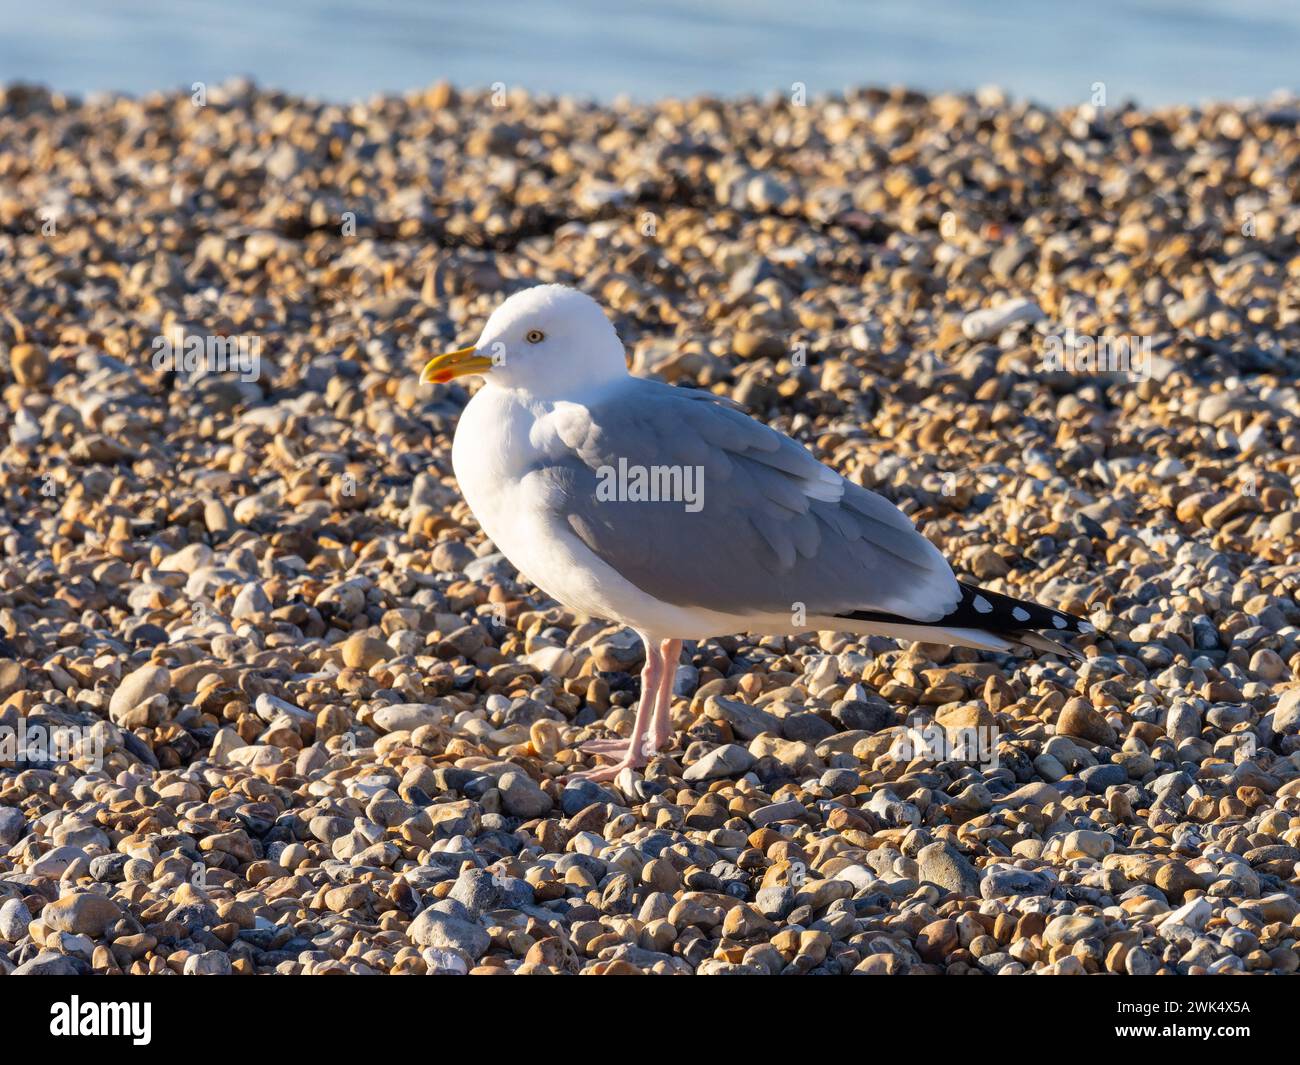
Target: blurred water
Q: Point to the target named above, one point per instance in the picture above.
(1154, 51)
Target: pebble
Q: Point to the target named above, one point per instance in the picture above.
(137, 687)
(82, 914)
(51, 963)
(361, 651)
(444, 932)
(30, 364)
(208, 963)
(521, 797)
(725, 761)
(14, 919)
(942, 864)
(12, 824)
(1068, 929)
(981, 325)
(1000, 881)
(777, 811)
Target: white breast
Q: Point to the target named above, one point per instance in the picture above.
(490, 454)
(494, 449)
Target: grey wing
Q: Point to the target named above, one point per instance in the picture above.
(768, 527)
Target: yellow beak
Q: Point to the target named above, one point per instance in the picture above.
(442, 368)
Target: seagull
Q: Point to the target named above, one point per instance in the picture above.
(671, 511)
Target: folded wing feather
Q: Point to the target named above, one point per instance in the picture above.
(775, 527)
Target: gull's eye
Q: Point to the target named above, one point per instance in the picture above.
(534, 336)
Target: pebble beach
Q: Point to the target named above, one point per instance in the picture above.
(271, 703)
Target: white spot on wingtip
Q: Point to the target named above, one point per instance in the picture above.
(1059, 621)
(1085, 627)
(1020, 614)
(982, 605)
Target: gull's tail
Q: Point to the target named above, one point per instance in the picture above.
(987, 621)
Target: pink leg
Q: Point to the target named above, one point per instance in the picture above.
(634, 756)
(662, 728)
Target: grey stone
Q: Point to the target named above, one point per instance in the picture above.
(476, 890)
(943, 864)
(858, 714)
(746, 722)
(726, 761)
(775, 902)
(1004, 880)
(50, 964)
(1050, 768)
(806, 728)
(495, 567)
(450, 556)
(209, 963)
(838, 781)
(685, 680)
(12, 824)
(398, 717)
(14, 919)
(1142, 962)
(789, 810)
(1100, 777)
(250, 601)
(1183, 722)
(1286, 715)
(440, 930)
(579, 794)
(521, 797)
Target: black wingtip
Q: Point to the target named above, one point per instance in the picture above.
(982, 609)
(996, 613)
